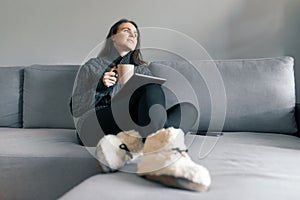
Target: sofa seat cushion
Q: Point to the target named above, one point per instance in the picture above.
(41, 163)
(243, 165)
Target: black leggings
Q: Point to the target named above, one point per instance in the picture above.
(147, 110)
(147, 115)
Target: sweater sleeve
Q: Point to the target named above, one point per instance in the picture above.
(84, 89)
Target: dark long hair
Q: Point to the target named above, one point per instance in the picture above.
(109, 47)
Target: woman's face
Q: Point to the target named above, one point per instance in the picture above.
(125, 39)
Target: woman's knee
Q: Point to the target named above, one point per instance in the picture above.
(146, 96)
(152, 90)
(182, 115)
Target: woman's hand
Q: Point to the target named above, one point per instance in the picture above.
(109, 79)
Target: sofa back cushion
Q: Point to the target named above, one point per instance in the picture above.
(10, 96)
(47, 91)
(259, 93)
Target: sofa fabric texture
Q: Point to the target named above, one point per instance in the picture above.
(11, 80)
(47, 91)
(41, 163)
(243, 165)
(260, 93)
(40, 157)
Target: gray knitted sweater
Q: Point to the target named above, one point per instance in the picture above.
(89, 91)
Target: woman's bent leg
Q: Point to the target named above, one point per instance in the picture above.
(95, 125)
(107, 122)
(182, 115)
(147, 109)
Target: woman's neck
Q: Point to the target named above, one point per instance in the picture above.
(123, 53)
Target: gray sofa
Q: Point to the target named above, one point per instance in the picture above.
(251, 101)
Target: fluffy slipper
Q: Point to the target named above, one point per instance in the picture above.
(113, 151)
(166, 161)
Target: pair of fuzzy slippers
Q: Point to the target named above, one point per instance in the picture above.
(165, 159)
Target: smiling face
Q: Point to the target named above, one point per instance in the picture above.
(125, 39)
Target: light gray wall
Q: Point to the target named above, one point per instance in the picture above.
(65, 31)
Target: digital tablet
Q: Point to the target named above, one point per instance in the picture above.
(136, 81)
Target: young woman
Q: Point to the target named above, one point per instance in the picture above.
(96, 84)
(164, 152)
